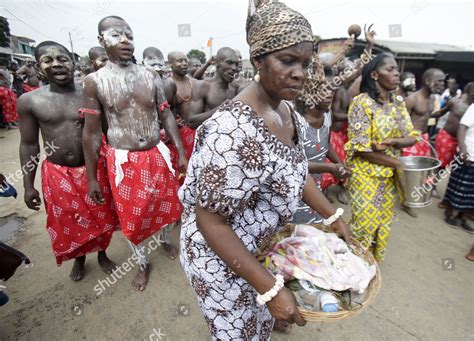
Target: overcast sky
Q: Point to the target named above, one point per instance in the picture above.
(155, 22)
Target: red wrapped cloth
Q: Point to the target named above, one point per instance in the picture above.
(8, 103)
(76, 225)
(144, 189)
(421, 148)
(28, 88)
(338, 140)
(187, 136)
(446, 145)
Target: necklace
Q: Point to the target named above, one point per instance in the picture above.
(185, 99)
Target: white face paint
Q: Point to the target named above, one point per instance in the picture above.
(154, 63)
(116, 35)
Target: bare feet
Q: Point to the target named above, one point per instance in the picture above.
(105, 263)
(78, 269)
(141, 278)
(342, 197)
(409, 211)
(470, 255)
(443, 205)
(12, 125)
(171, 250)
(282, 326)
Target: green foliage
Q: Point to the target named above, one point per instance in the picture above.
(197, 54)
(4, 33)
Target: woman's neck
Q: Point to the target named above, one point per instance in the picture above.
(384, 95)
(265, 98)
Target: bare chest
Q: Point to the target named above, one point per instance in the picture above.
(125, 90)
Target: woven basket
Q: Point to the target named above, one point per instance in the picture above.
(357, 249)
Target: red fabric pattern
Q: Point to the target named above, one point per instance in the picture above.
(146, 199)
(446, 146)
(76, 225)
(420, 148)
(338, 140)
(164, 105)
(8, 103)
(83, 111)
(28, 88)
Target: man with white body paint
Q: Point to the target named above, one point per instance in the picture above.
(141, 177)
(77, 226)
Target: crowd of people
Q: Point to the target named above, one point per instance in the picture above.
(143, 148)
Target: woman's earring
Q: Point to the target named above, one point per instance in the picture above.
(257, 76)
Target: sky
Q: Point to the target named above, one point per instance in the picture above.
(155, 22)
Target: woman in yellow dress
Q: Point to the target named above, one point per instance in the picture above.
(379, 127)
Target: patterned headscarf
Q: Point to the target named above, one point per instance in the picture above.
(272, 26)
(316, 85)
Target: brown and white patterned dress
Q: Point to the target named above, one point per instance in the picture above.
(244, 172)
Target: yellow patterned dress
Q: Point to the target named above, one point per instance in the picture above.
(372, 187)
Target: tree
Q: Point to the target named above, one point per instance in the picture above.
(197, 54)
(4, 32)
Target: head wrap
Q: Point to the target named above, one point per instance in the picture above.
(316, 85)
(272, 26)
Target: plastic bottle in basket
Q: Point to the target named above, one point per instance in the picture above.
(328, 302)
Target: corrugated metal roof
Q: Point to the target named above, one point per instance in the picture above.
(404, 47)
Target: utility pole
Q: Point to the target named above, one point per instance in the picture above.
(72, 47)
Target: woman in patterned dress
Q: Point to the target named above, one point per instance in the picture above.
(245, 178)
(379, 126)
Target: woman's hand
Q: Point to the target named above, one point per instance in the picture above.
(341, 229)
(385, 144)
(283, 307)
(340, 171)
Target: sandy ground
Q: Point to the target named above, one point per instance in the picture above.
(427, 289)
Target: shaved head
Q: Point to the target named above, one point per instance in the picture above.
(226, 52)
(95, 52)
(172, 56)
(105, 22)
(152, 52)
(40, 49)
(431, 73)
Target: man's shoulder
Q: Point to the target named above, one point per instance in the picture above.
(201, 86)
(90, 78)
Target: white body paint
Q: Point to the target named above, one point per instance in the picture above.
(119, 89)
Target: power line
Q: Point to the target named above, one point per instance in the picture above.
(34, 29)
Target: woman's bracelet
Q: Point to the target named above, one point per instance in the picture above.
(266, 297)
(334, 217)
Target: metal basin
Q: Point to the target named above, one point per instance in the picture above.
(418, 179)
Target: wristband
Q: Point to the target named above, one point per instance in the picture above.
(83, 111)
(334, 217)
(266, 297)
(164, 106)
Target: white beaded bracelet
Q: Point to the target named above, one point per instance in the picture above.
(266, 297)
(334, 217)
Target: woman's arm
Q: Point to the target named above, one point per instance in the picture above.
(380, 158)
(317, 167)
(229, 248)
(319, 203)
